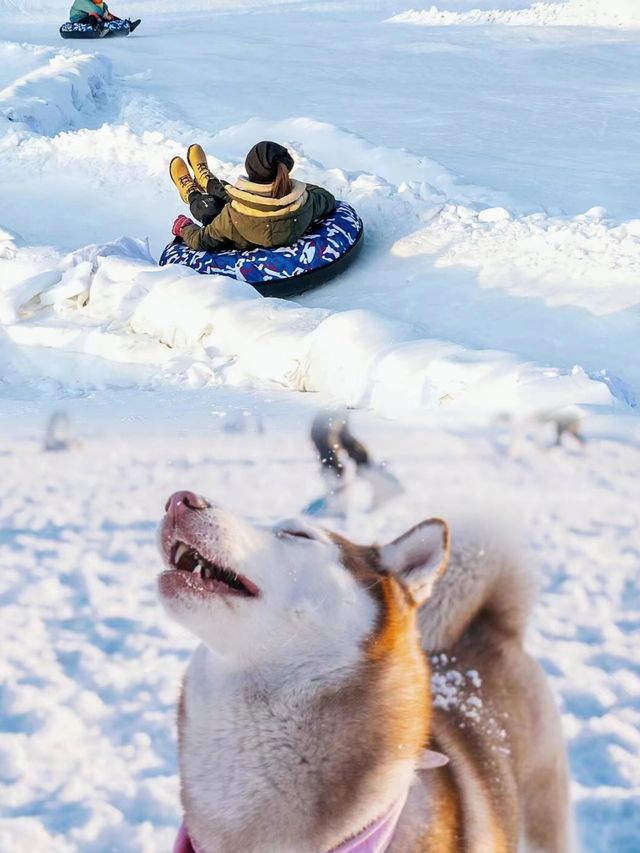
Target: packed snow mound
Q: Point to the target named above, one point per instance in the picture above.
(57, 95)
(583, 260)
(35, 278)
(111, 302)
(18, 59)
(571, 13)
(537, 285)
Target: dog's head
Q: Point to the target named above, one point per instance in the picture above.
(294, 591)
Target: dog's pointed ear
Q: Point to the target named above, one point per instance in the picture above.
(419, 557)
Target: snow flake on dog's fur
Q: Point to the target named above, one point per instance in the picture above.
(460, 693)
(454, 689)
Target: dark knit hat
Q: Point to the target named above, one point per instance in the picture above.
(262, 161)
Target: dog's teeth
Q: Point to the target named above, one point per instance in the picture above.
(180, 551)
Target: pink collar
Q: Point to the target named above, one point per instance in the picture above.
(183, 843)
(376, 838)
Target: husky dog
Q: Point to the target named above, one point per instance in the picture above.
(332, 677)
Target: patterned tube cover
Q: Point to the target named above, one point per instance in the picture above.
(326, 243)
(113, 28)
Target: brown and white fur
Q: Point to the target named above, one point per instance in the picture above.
(307, 707)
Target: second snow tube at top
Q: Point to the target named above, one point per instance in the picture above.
(324, 251)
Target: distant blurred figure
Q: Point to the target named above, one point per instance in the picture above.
(58, 433)
(567, 420)
(330, 434)
(241, 422)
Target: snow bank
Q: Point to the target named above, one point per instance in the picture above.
(585, 260)
(35, 278)
(571, 13)
(560, 287)
(57, 95)
(18, 59)
(358, 358)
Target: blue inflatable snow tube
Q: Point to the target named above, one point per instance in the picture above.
(106, 29)
(319, 255)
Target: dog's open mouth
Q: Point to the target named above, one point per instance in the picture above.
(203, 575)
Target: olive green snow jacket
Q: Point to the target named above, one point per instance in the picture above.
(253, 218)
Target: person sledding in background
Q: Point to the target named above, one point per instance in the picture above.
(96, 13)
(267, 209)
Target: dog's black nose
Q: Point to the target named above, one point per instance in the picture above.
(185, 500)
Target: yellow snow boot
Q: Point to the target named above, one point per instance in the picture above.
(181, 177)
(198, 162)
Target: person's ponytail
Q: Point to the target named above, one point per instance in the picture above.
(282, 183)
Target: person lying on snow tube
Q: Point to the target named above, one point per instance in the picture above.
(96, 13)
(267, 209)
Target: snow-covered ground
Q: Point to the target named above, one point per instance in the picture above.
(496, 169)
(513, 286)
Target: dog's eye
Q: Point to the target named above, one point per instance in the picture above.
(297, 534)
